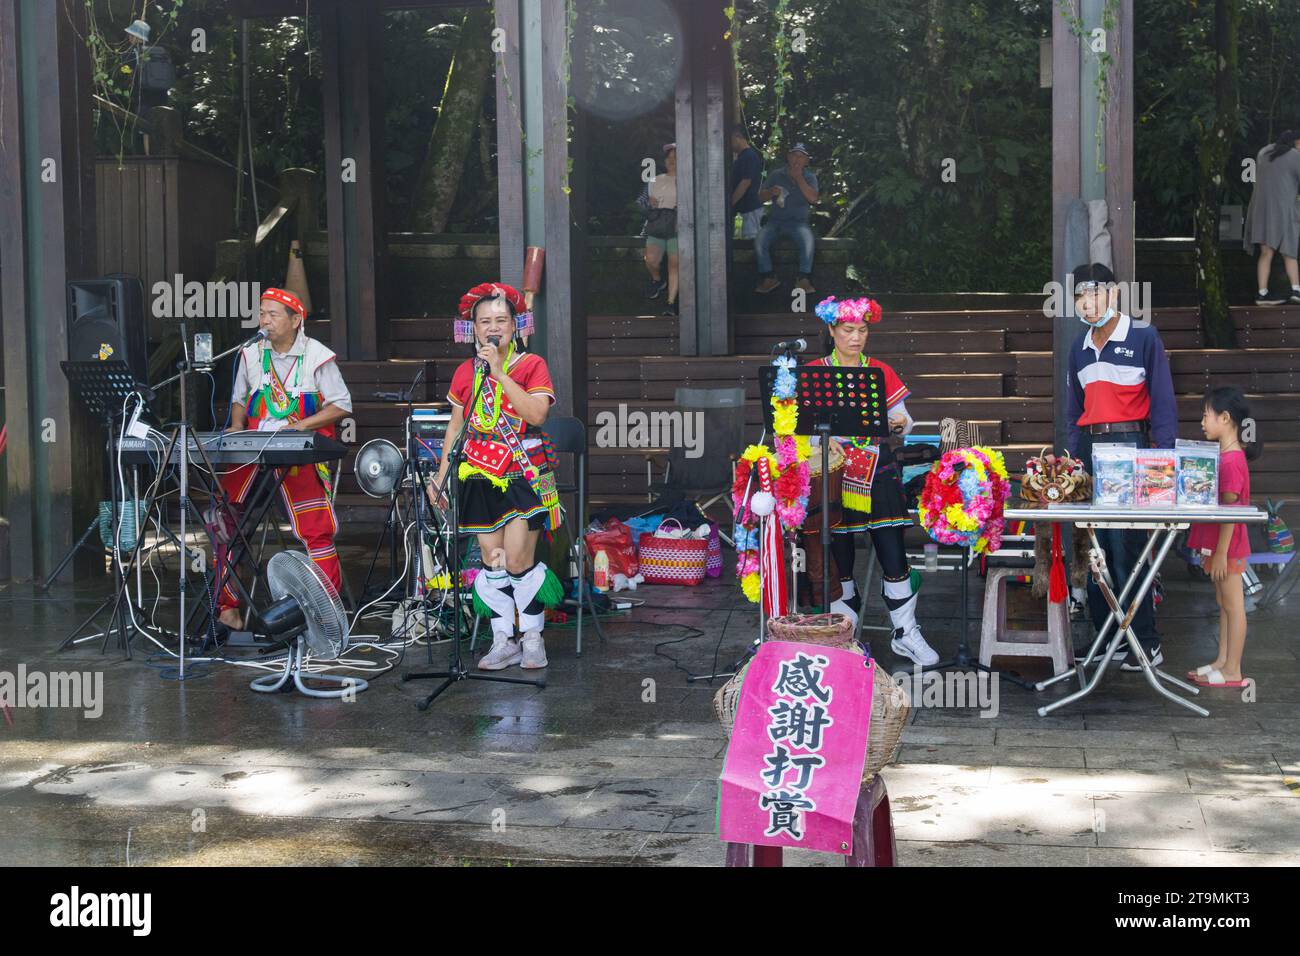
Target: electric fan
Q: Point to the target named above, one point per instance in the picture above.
(378, 467)
(308, 612)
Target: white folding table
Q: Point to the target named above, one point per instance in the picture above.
(1165, 524)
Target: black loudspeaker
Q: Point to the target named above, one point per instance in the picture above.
(106, 322)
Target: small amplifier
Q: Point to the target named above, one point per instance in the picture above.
(425, 430)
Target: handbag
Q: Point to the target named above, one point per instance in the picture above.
(673, 560)
(661, 223)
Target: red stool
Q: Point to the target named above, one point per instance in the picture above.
(873, 835)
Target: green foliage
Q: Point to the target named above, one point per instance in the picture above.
(883, 94)
(1174, 97)
(287, 98)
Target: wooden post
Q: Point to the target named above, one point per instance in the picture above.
(47, 200)
(354, 177)
(1067, 159)
(533, 169)
(510, 147)
(703, 154)
(1075, 175)
(1119, 145)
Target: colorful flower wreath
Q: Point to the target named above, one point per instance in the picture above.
(863, 310)
(963, 498)
(791, 478)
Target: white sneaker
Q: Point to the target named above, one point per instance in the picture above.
(913, 645)
(504, 653)
(534, 651)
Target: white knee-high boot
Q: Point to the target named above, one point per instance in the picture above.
(901, 598)
(493, 590)
(534, 591)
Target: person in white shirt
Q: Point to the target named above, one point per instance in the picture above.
(288, 381)
(661, 231)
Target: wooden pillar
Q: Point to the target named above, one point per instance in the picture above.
(47, 202)
(1075, 173)
(352, 83)
(1119, 145)
(1067, 160)
(542, 203)
(510, 146)
(703, 161)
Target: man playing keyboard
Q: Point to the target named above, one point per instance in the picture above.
(288, 381)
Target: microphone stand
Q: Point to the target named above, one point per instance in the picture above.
(392, 526)
(456, 670)
(182, 435)
(736, 515)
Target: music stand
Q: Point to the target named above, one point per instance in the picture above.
(103, 388)
(831, 400)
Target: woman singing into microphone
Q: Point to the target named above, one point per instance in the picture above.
(873, 499)
(507, 478)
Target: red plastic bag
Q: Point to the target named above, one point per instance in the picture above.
(616, 542)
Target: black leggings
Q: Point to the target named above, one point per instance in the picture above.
(889, 549)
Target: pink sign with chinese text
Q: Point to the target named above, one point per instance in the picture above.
(794, 764)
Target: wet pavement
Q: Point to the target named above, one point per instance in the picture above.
(616, 760)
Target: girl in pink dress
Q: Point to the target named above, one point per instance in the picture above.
(1223, 547)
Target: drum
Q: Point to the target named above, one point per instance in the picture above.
(810, 591)
(813, 522)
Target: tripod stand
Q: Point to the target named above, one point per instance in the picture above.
(456, 670)
(104, 389)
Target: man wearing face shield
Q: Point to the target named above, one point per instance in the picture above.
(1119, 391)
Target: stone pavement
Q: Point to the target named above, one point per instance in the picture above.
(616, 760)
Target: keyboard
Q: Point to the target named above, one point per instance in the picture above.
(276, 449)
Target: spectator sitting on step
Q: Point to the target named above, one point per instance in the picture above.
(792, 190)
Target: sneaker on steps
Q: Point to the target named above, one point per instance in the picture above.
(913, 646)
(534, 651)
(505, 652)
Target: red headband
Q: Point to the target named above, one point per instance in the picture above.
(287, 299)
(490, 290)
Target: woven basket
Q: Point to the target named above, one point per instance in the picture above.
(889, 709)
(830, 630)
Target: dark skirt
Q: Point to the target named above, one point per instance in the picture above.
(485, 508)
(888, 502)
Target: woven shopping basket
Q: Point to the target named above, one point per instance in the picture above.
(673, 560)
(889, 702)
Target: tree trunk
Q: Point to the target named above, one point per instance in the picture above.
(1216, 140)
(453, 133)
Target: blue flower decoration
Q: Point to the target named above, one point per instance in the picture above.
(828, 310)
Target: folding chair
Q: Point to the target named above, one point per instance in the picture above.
(706, 479)
(570, 438)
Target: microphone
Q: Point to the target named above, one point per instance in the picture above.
(494, 340)
(260, 336)
(794, 345)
